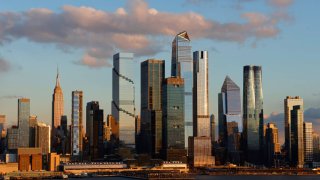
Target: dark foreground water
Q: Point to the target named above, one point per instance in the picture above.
(227, 178)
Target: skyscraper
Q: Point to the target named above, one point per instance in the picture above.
(13, 139)
(23, 121)
(200, 153)
(308, 143)
(152, 76)
(57, 104)
(123, 95)
(42, 137)
(173, 120)
(97, 135)
(296, 137)
(253, 113)
(316, 146)
(272, 143)
(229, 114)
(76, 125)
(289, 102)
(91, 109)
(182, 66)
(213, 132)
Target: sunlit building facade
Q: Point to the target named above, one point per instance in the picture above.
(152, 76)
(253, 113)
(308, 143)
(76, 124)
(23, 121)
(182, 66)
(200, 153)
(296, 137)
(272, 144)
(123, 95)
(42, 137)
(289, 102)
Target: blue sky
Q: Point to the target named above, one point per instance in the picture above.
(80, 37)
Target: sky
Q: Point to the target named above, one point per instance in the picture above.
(80, 37)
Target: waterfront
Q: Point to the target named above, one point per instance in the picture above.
(204, 177)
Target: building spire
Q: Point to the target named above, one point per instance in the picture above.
(57, 79)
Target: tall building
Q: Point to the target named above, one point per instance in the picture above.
(289, 102)
(173, 120)
(97, 135)
(272, 143)
(182, 66)
(65, 140)
(308, 143)
(296, 137)
(253, 113)
(200, 153)
(213, 132)
(316, 146)
(23, 121)
(123, 96)
(57, 104)
(42, 137)
(229, 114)
(33, 120)
(13, 139)
(2, 122)
(76, 125)
(92, 108)
(152, 76)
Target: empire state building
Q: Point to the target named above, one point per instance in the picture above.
(57, 104)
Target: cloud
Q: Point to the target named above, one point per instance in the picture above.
(11, 97)
(135, 28)
(280, 3)
(5, 66)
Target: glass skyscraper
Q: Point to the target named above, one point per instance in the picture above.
(199, 146)
(229, 108)
(123, 95)
(173, 119)
(23, 121)
(76, 125)
(253, 113)
(152, 76)
(182, 66)
(308, 143)
(296, 138)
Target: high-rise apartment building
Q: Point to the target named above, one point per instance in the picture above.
(23, 121)
(296, 137)
(13, 139)
(98, 148)
(272, 143)
(182, 66)
(123, 96)
(308, 143)
(42, 137)
(91, 109)
(173, 120)
(152, 76)
(253, 113)
(289, 102)
(200, 152)
(76, 125)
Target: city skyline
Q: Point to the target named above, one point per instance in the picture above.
(39, 89)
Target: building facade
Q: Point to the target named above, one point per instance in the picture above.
(182, 66)
(289, 102)
(123, 96)
(76, 125)
(152, 76)
(173, 120)
(42, 137)
(23, 121)
(200, 153)
(253, 113)
(272, 144)
(308, 143)
(296, 138)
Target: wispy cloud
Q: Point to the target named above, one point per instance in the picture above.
(5, 66)
(135, 28)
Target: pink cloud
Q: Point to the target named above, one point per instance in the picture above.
(280, 3)
(136, 28)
